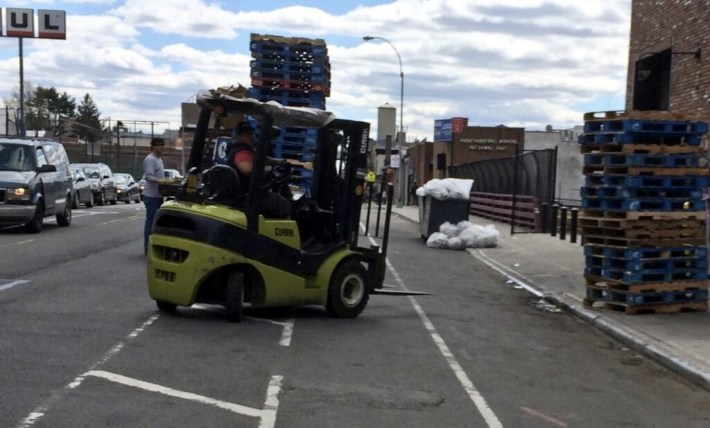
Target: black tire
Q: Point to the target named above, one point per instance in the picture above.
(35, 225)
(75, 201)
(90, 202)
(64, 219)
(348, 291)
(234, 296)
(102, 199)
(166, 306)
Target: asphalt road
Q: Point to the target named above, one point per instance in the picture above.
(82, 345)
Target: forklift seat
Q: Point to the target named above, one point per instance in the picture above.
(222, 185)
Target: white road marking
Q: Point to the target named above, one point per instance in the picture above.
(503, 270)
(544, 417)
(11, 284)
(26, 241)
(271, 405)
(287, 325)
(478, 400)
(40, 411)
(152, 387)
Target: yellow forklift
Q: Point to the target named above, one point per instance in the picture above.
(214, 243)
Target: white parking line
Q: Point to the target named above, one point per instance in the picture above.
(11, 284)
(287, 325)
(478, 400)
(40, 411)
(152, 387)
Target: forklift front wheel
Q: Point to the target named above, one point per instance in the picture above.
(347, 292)
(166, 306)
(234, 296)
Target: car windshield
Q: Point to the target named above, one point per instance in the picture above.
(120, 179)
(92, 172)
(14, 157)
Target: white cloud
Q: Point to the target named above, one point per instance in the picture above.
(516, 62)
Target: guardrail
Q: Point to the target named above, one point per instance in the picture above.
(499, 207)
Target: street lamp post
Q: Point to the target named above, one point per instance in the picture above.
(400, 137)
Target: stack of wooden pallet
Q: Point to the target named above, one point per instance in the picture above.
(643, 218)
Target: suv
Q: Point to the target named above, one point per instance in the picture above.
(100, 175)
(35, 182)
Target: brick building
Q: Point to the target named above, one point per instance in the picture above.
(669, 59)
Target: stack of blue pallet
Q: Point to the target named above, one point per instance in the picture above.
(644, 212)
(294, 72)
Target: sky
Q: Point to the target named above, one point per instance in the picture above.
(523, 63)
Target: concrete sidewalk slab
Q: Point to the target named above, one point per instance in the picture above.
(554, 269)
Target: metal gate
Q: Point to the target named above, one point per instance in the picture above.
(529, 173)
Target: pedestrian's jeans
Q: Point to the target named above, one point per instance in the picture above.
(151, 207)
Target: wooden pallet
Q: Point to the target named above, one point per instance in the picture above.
(642, 114)
(644, 241)
(682, 225)
(673, 308)
(595, 281)
(651, 149)
(644, 215)
(643, 170)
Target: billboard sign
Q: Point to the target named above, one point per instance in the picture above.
(442, 130)
(51, 24)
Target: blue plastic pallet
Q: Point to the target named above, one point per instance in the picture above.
(286, 75)
(645, 181)
(647, 297)
(641, 265)
(295, 49)
(638, 253)
(636, 126)
(290, 98)
(647, 276)
(641, 159)
(648, 138)
(292, 59)
(641, 192)
(289, 67)
(639, 204)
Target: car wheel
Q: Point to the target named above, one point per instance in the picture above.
(35, 225)
(64, 219)
(102, 199)
(115, 199)
(348, 290)
(90, 202)
(166, 306)
(234, 296)
(75, 201)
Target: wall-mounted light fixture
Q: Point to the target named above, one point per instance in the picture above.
(696, 53)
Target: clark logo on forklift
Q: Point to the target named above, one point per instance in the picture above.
(282, 231)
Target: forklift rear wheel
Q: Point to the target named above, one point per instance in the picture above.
(234, 296)
(165, 306)
(347, 292)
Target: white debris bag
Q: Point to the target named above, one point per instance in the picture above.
(437, 240)
(464, 235)
(448, 188)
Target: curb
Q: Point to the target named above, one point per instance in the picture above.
(637, 341)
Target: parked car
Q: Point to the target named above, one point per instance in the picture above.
(35, 182)
(172, 174)
(83, 189)
(126, 188)
(101, 175)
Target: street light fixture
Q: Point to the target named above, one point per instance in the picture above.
(400, 137)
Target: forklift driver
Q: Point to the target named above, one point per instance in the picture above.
(240, 156)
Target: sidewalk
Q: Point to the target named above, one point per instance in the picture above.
(554, 268)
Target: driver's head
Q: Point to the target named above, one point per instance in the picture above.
(245, 133)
